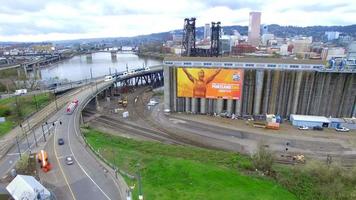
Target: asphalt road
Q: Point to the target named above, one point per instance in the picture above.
(87, 178)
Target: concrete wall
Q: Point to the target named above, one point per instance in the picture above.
(278, 92)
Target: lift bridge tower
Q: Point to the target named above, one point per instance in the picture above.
(215, 39)
(188, 42)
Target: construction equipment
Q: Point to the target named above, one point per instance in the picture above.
(42, 158)
(124, 102)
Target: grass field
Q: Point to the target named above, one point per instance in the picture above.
(176, 172)
(15, 109)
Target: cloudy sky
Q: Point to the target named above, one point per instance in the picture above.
(41, 20)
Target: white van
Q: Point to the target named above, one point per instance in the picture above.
(20, 91)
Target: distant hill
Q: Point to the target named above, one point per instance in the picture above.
(280, 31)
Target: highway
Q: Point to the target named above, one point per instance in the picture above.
(87, 178)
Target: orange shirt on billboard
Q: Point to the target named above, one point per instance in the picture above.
(209, 83)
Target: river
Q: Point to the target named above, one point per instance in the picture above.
(79, 67)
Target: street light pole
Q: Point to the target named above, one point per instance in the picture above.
(28, 143)
(34, 96)
(34, 136)
(55, 99)
(140, 195)
(44, 135)
(18, 146)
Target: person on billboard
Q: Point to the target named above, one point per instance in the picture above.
(200, 83)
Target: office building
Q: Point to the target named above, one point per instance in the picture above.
(254, 28)
(207, 31)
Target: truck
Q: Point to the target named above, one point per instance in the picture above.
(123, 102)
(42, 158)
(20, 91)
(71, 107)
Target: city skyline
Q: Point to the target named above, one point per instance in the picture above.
(51, 20)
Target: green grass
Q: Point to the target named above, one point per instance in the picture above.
(15, 109)
(176, 172)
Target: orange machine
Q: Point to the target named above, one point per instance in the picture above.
(42, 158)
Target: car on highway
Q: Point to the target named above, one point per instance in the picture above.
(303, 128)
(69, 160)
(342, 129)
(60, 141)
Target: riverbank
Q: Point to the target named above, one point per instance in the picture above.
(153, 55)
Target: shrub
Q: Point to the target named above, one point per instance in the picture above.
(263, 159)
(317, 180)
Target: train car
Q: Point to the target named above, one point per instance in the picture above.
(71, 107)
(42, 158)
(108, 78)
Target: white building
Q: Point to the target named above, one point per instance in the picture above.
(266, 37)
(283, 50)
(301, 44)
(351, 50)
(27, 187)
(333, 52)
(207, 31)
(332, 35)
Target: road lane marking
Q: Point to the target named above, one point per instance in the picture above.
(59, 164)
(70, 148)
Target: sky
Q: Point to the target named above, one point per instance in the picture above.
(44, 20)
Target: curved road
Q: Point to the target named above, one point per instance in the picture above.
(87, 178)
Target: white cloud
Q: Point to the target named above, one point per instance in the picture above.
(39, 20)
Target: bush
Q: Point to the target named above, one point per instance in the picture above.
(23, 163)
(317, 180)
(263, 159)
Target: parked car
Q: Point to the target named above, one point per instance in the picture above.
(69, 160)
(342, 129)
(60, 141)
(303, 128)
(318, 128)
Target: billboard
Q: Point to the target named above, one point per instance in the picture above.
(210, 83)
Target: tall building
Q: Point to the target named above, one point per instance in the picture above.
(254, 28)
(206, 31)
(332, 35)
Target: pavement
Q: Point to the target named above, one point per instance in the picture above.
(88, 178)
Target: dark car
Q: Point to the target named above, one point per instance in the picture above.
(60, 141)
(318, 128)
